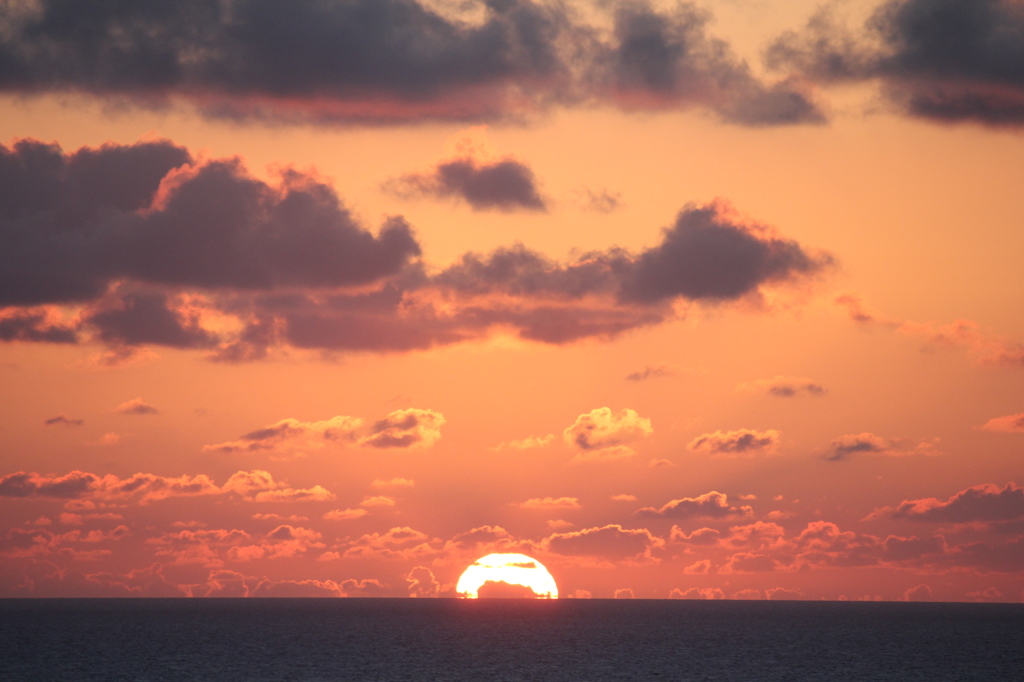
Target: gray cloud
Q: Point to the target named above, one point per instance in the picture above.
(62, 420)
(72, 224)
(714, 505)
(980, 503)
(504, 185)
(383, 60)
(946, 60)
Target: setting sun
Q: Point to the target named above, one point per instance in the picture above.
(507, 570)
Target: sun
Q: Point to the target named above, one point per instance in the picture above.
(498, 574)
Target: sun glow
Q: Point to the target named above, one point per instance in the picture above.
(511, 569)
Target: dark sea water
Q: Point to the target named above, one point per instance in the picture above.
(495, 640)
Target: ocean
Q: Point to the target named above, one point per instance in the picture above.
(494, 640)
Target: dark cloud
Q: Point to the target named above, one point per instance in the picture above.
(786, 387)
(27, 325)
(651, 372)
(153, 261)
(22, 484)
(740, 442)
(707, 255)
(503, 185)
(667, 59)
(61, 420)
(980, 503)
(844, 446)
(70, 224)
(713, 505)
(384, 60)
(946, 60)
(411, 428)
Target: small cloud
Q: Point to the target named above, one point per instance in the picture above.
(136, 407)
(701, 567)
(738, 443)
(598, 201)
(783, 594)
(109, 438)
(784, 387)
(581, 594)
(713, 505)
(656, 463)
(345, 514)
(377, 501)
(120, 357)
(919, 593)
(868, 443)
(624, 593)
(560, 524)
(61, 420)
(291, 434)
(526, 443)
(602, 435)
(411, 428)
(1012, 423)
(392, 483)
(548, 503)
(624, 498)
(697, 593)
(653, 372)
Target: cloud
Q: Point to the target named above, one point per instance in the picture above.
(495, 538)
(624, 498)
(747, 562)
(527, 443)
(712, 505)
(137, 407)
(989, 349)
(1012, 423)
(144, 488)
(919, 593)
(696, 593)
(549, 503)
(868, 443)
(62, 420)
(701, 567)
(980, 503)
(354, 61)
(598, 201)
(784, 387)
(377, 501)
(345, 514)
(291, 434)
(948, 61)
(783, 594)
(609, 542)
(397, 543)
(422, 582)
(701, 536)
(392, 483)
(738, 443)
(504, 185)
(411, 428)
(34, 325)
(149, 213)
(601, 435)
(652, 372)
(624, 593)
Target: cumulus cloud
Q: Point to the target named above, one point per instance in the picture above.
(527, 443)
(504, 185)
(738, 443)
(392, 483)
(601, 434)
(701, 536)
(981, 503)
(422, 582)
(748, 562)
(784, 387)
(353, 61)
(144, 488)
(868, 443)
(148, 212)
(36, 326)
(398, 543)
(948, 61)
(696, 593)
(136, 407)
(1011, 423)
(712, 505)
(624, 593)
(345, 514)
(411, 428)
(608, 542)
(292, 434)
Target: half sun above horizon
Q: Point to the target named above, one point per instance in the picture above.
(507, 575)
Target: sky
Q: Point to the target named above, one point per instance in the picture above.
(699, 300)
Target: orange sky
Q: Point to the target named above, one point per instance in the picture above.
(675, 317)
